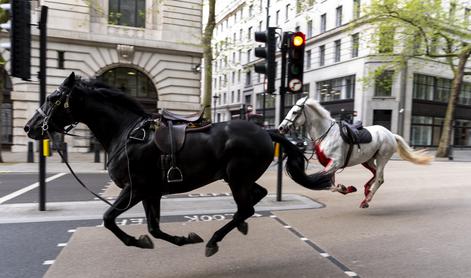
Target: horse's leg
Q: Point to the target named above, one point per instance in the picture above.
(242, 196)
(126, 200)
(331, 168)
(152, 210)
(370, 165)
(258, 194)
(379, 179)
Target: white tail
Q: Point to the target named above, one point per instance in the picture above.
(409, 154)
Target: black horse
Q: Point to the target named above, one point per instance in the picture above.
(237, 151)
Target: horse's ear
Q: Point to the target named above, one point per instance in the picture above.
(69, 81)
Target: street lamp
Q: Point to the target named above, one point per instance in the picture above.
(215, 97)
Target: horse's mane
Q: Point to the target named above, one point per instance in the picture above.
(108, 94)
(315, 105)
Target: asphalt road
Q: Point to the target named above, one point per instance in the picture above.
(26, 249)
(417, 226)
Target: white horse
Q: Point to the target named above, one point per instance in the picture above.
(334, 154)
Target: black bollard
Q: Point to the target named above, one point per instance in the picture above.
(96, 147)
(30, 155)
(65, 157)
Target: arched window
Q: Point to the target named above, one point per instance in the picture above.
(134, 83)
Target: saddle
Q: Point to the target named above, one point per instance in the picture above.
(170, 137)
(353, 134)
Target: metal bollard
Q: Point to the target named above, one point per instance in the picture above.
(96, 147)
(30, 156)
(65, 157)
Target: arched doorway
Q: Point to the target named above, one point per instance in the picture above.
(134, 83)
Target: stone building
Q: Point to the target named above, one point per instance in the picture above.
(150, 49)
(337, 60)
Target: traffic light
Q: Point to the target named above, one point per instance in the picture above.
(19, 26)
(296, 44)
(268, 67)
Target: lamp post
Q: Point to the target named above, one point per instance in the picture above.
(215, 97)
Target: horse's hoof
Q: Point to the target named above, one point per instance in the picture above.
(243, 228)
(194, 238)
(145, 242)
(351, 189)
(211, 250)
(364, 205)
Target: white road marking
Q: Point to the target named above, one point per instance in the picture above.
(351, 273)
(27, 188)
(61, 244)
(325, 255)
(304, 239)
(49, 262)
(71, 231)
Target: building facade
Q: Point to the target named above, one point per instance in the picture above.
(150, 49)
(339, 62)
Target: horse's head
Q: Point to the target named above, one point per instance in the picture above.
(295, 117)
(54, 114)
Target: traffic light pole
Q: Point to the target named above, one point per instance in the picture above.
(284, 49)
(42, 26)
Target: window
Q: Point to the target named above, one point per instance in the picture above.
(338, 45)
(248, 78)
(251, 10)
(277, 18)
(386, 39)
(249, 53)
(383, 84)
(338, 16)
(134, 83)
(127, 13)
(308, 59)
(323, 23)
(260, 24)
(287, 12)
(249, 34)
(321, 55)
(356, 9)
(355, 45)
(467, 14)
(60, 59)
(309, 29)
(335, 89)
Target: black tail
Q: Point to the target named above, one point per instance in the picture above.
(296, 163)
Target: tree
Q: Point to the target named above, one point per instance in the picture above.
(208, 57)
(427, 30)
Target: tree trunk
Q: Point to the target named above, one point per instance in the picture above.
(447, 130)
(208, 59)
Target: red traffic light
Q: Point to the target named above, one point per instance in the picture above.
(298, 39)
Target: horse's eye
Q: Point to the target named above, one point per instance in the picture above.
(295, 112)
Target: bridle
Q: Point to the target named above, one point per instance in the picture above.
(65, 97)
(302, 106)
(297, 112)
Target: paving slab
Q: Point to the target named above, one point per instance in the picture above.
(269, 250)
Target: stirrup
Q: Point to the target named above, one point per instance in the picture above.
(179, 175)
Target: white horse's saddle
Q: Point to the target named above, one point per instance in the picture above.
(354, 133)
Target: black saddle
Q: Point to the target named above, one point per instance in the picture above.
(354, 134)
